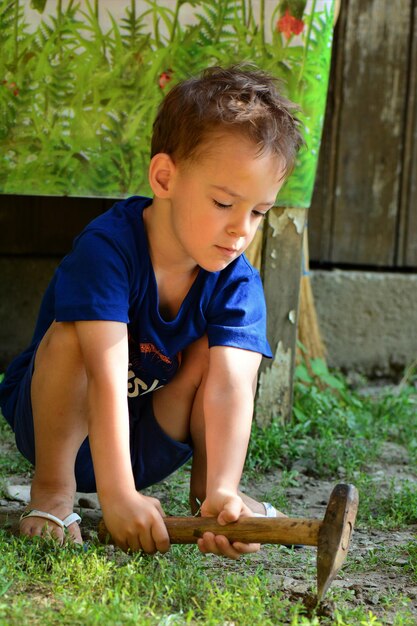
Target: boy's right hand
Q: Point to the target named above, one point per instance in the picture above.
(135, 522)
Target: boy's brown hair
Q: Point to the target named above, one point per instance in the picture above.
(238, 99)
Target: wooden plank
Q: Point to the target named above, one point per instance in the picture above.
(281, 270)
(44, 225)
(320, 214)
(370, 132)
(407, 246)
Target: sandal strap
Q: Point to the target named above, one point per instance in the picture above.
(70, 519)
(270, 511)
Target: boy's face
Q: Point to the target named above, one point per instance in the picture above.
(219, 201)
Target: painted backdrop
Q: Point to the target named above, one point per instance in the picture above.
(80, 82)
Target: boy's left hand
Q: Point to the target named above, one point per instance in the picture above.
(227, 508)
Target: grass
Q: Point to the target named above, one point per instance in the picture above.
(336, 432)
(178, 588)
(69, 586)
(411, 566)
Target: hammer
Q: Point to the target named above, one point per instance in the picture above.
(331, 536)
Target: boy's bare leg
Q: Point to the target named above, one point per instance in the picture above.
(174, 408)
(185, 393)
(60, 421)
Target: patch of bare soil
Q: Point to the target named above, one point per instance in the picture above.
(375, 572)
(375, 575)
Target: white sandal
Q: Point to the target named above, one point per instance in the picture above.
(62, 523)
(270, 511)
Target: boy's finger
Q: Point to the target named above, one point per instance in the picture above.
(231, 512)
(216, 544)
(225, 548)
(207, 544)
(134, 544)
(122, 544)
(147, 541)
(246, 548)
(158, 506)
(219, 545)
(160, 537)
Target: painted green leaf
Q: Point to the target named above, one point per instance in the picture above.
(78, 99)
(39, 5)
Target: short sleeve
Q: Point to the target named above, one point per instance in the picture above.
(237, 314)
(92, 282)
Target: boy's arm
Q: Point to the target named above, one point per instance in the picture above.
(228, 410)
(134, 521)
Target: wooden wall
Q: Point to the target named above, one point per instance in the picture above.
(44, 225)
(364, 209)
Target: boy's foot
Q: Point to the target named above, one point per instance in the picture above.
(271, 511)
(261, 508)
(33, 525)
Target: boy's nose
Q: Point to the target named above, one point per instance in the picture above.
(239, 227)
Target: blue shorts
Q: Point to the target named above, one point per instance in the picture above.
(154, 455)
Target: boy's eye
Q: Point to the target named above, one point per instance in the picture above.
(259, 214)
(220, 205)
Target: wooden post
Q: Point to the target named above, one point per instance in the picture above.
(406, 253)
(281, 271)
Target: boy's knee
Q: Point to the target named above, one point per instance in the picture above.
(195, 360)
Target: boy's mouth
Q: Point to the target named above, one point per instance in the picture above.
(228, 251)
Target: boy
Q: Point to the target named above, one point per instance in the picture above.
(157, 292)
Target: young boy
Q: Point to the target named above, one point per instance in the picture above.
(156, 298)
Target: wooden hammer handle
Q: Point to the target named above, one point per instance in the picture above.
(279, 530)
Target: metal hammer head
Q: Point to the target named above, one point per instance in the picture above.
(334, 535)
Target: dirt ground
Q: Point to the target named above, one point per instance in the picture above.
(369, 581)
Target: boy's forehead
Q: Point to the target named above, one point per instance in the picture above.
(218, 138)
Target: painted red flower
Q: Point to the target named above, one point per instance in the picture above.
(165, 78)
(289, 25)
(11, 87)
(14, 88)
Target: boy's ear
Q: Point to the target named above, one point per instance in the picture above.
(161, 174)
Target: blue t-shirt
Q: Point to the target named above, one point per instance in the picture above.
(108, 275)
